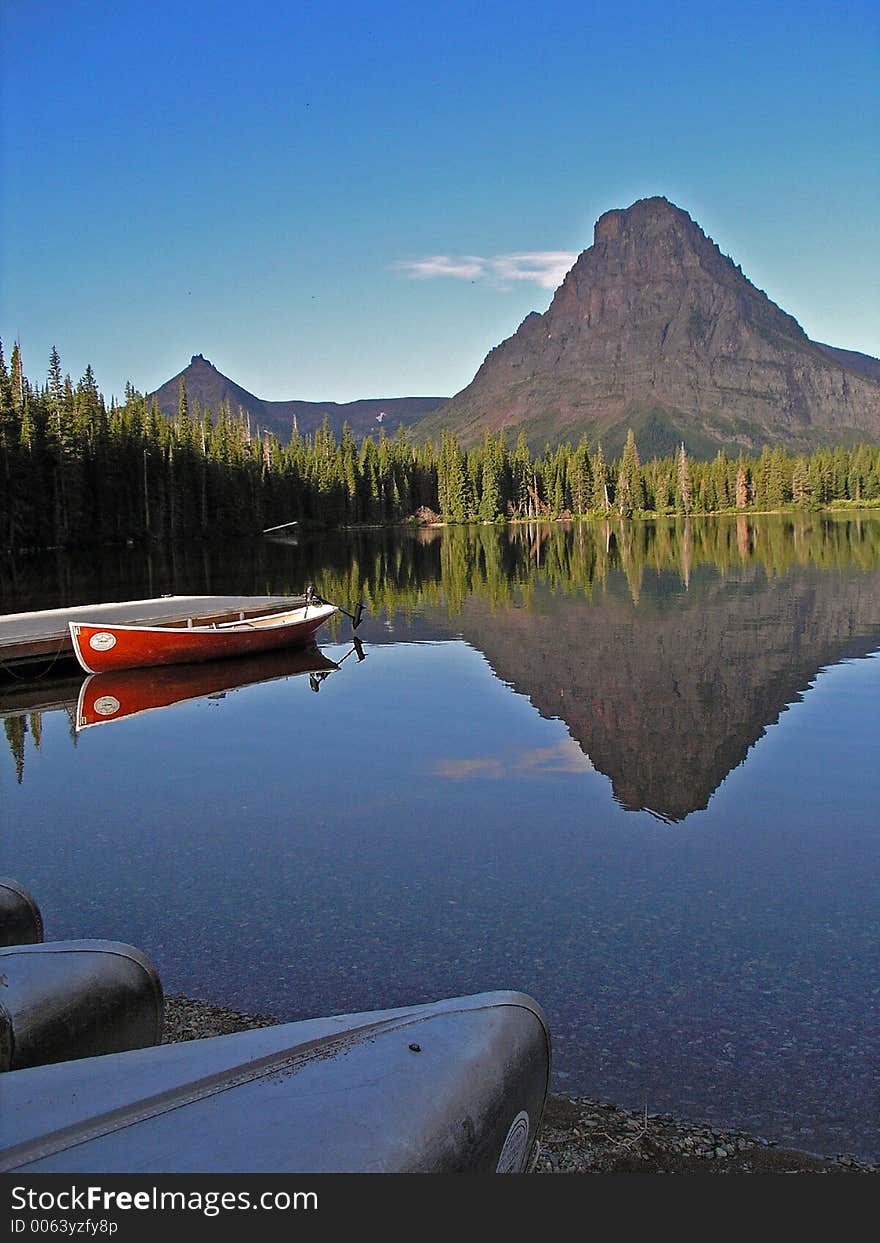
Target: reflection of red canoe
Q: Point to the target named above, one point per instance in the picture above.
(111, 696)
(100, 649)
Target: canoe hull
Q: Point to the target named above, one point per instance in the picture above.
(75, 999)
(456, 1086)
(106, 648)
(21, 922)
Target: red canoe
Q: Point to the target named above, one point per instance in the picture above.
(111, 696)
(101, 649)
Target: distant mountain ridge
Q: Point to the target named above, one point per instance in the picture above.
(853, 360)
(655, 328)
(205, 384)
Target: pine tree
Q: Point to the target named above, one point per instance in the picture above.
(580, 477)
(16, 376)
(779, 480)
(490, 482)
(800, 482)
(601, 499)
(521, 474)
(629, 495)
(741, 498)
(685, 486)
(452, 480)
(182, 403)
(7, 409)
(719, 484)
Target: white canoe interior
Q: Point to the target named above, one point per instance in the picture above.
(272, 621)
(292, 617)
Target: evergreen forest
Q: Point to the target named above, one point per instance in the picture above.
(76, 471)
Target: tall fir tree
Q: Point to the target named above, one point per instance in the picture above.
(685, 493)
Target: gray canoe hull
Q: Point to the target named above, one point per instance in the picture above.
(459, 1085)
(20, 920)
(75, 999)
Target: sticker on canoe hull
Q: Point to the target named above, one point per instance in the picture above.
(515, 1152)
(106, 705)
(102, 641)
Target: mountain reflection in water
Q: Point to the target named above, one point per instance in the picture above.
(667, 648)
(665, 701)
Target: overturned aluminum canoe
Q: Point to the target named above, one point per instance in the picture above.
(459, 1085)
(20, 920)
(75, 999)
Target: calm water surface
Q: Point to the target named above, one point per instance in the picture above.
(632, 770)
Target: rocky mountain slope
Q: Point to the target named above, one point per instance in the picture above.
(205, 384)
(655, 328)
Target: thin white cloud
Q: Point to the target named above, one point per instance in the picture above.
(462, 267)
(546, 268)
(543, 267)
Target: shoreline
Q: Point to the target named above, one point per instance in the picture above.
(834, 509)
(582, 1136)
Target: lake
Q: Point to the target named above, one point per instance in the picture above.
(629, 768)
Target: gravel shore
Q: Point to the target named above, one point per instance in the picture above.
(580, 1136)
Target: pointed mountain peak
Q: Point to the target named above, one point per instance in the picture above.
(654, 328)
(651, 215)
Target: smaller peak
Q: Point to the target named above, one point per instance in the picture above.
(199, 358)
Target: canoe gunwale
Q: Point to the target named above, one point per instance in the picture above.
(245, 626)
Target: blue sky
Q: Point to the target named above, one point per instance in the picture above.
(260, 183)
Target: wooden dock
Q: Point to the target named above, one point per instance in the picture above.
(44, 635)
(22, 695)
